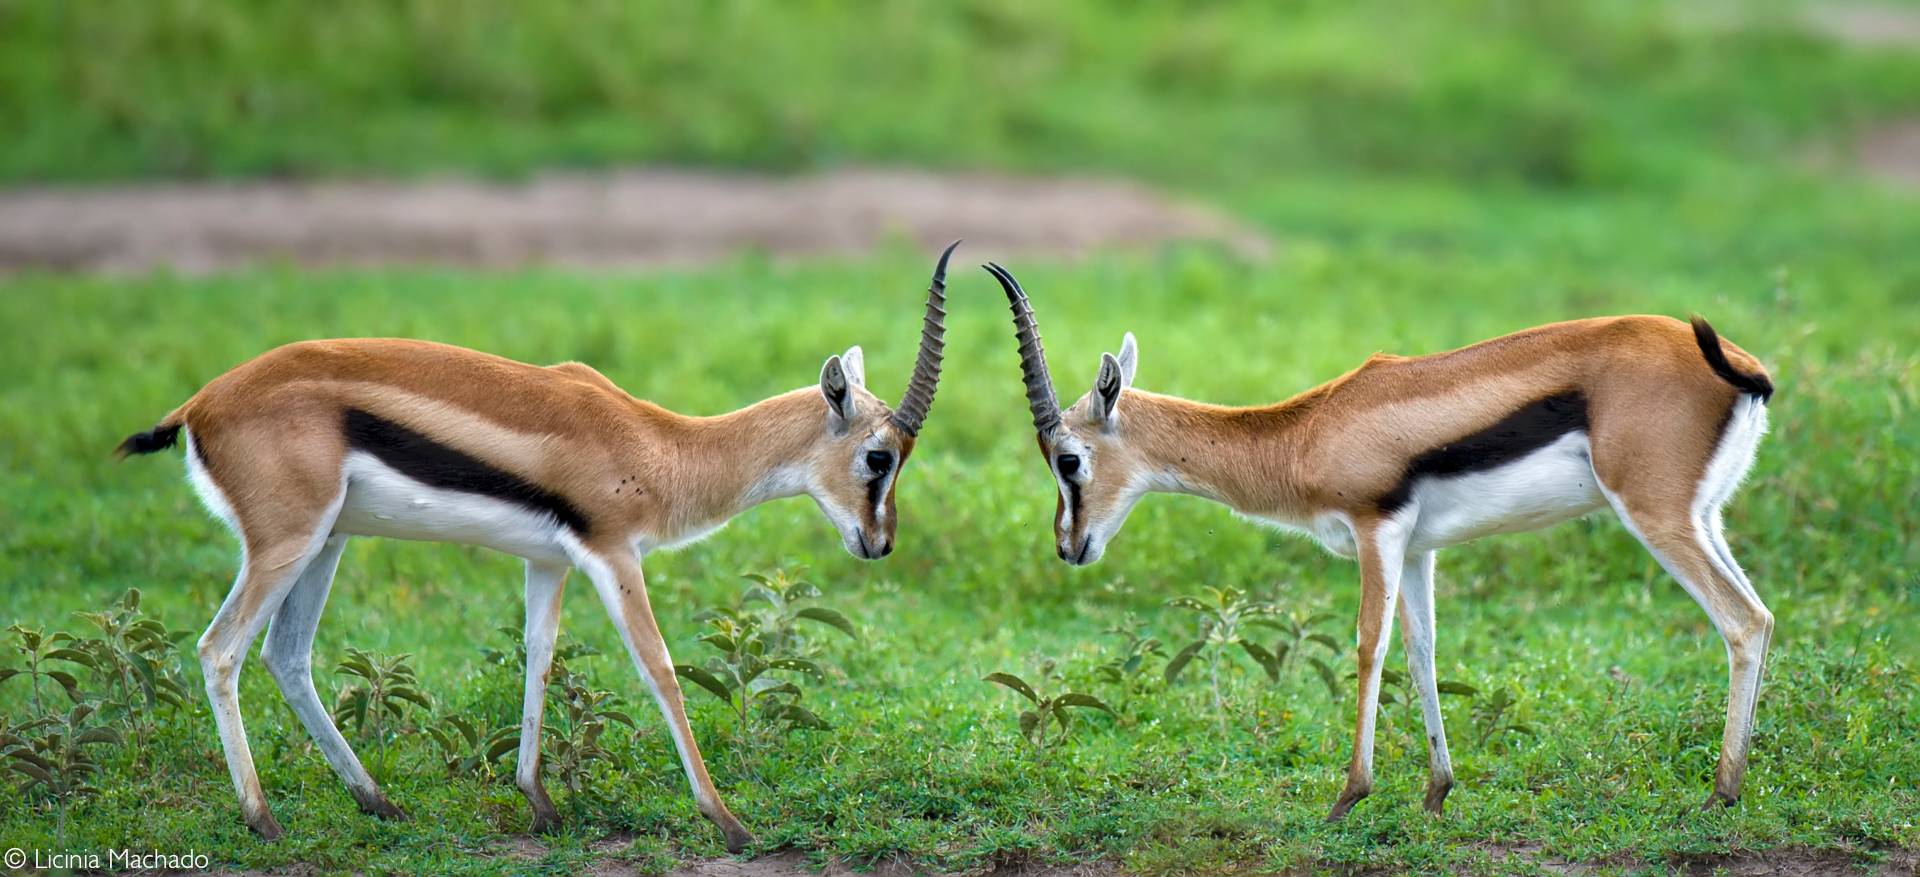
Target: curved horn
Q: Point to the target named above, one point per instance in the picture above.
(926, 367)
(1033, 358)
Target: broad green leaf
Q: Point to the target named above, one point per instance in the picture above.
(1085, 701)
(1460, 688)
(1180, 660)
(1014, 682)
(705, 680)
(829, 617)
(1264, 658)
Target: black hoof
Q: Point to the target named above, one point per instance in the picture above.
(1718, 800)
(266, 827)
(1436, 802)
(1345, 805)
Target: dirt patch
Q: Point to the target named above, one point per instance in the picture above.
(1785, 862)
(1892, 153)
(1866, 24)
(625, 219)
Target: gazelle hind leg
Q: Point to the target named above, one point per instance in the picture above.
(1416, 631)
(1684, 543)
(616, 576)
(288, 654)
(545, 584)
(267, 573)
(1382, 551)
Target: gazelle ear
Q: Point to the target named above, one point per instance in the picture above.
(1129, 359)
(1106, 391)
(834, 387)
(855, 362)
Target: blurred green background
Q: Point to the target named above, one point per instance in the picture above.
(1430, 175)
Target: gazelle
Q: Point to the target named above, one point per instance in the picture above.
(1404, 456)
(307, 445)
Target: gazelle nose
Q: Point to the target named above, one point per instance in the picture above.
(886, 548)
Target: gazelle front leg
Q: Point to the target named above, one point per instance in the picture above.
(1381, 549)
(616, 576)
(1416, 631)
(545, 584)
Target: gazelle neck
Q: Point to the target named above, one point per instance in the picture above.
(728, 463)
(1241, 457)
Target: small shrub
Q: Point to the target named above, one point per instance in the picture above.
(1043, 712)
(51, 753)
(38, 648)
(1128, 669)
(465, 750)
(571, 745)
(385, 688)
(1223, 612)
(759, 634)
(1493, 715)
(137, 661)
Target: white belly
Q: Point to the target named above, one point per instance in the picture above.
(1550, 485)
(383, 502)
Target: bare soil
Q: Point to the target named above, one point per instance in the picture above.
(1866, 24)
(623, 219)
(1784, 862)
(1891, 152)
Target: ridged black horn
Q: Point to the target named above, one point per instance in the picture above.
(1033, 358)
(918, 399)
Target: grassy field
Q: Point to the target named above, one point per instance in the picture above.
(1480, 174)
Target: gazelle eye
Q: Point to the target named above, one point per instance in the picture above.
(1069, 463)
(881, 462)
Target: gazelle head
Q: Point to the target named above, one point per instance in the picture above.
(1099, 473)
(852, 471)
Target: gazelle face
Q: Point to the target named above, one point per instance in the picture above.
(1099, 473)
(856, 464)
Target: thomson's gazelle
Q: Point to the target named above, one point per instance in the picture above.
(312, 443)
(1404, 456)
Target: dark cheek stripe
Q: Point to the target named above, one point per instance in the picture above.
(1532, 427)
(1079, 520)
(436, 465)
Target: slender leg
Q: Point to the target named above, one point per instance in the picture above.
(1381, 554)
(616, 576)
(1416, 631)
(545, 584)
(1685, 546)
(267, 573)
(288, 654)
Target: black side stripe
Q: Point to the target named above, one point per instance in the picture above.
(1532, 427)
(436, 465)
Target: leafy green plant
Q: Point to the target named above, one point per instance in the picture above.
(1396, 688)
(1493, 715)
(1291, 649)
(1042, 712)
(1224, 614)
(38, 647)
(572, 742)
(51, 753)
(465, 749)
(760, 633)
(385, 688)
(1128, 668)
(137, 661)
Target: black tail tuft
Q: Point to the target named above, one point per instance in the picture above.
(1709, 341)
(158, 438)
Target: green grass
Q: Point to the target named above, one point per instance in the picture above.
(1434, 176)
(1602, 93)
